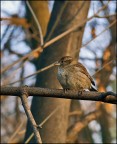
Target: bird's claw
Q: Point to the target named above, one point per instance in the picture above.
(80, 92)
(65, 90)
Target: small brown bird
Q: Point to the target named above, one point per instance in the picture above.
(73, 75)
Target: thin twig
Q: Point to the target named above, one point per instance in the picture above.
(45, 68)
(41, 124)
(37, 72)
(75, 27)
(6, 81)
(57, 20)
(106, 16)
(22, 132)
(114, 22)
(73, 133)
(23, 97)
(15, 133)
(16, 21)
(75, 113)
(104, 67)
(37, 23)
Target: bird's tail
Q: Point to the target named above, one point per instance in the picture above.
(93, 89)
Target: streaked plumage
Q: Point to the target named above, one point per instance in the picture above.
(73, 75)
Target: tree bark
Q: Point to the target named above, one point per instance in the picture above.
(54, 131)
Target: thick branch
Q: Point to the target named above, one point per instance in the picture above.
(107, 97)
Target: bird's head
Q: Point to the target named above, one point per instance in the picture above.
(64, 61)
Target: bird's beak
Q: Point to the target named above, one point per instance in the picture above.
(57, 63)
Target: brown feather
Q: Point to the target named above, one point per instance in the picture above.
(84, 71)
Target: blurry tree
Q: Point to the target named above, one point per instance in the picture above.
(104, 80)
(75, 122)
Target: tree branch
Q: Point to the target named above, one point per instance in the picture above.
(40, 49)
(74, 131)
(107, 97)
(41, 124)
(37, 23)
(23, 95)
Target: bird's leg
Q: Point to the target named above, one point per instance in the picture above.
(65, 90)
(80, 91)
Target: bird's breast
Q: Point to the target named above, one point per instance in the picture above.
(61, 73)
(62, 76)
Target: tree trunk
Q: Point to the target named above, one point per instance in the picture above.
(73, 12)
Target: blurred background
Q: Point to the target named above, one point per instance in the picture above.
(20, 35)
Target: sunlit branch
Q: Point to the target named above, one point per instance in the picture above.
(40, 49)
(104, 66)
(37, 23)
(114, 22)
(37, 72)
(106, 16)
(73, 132)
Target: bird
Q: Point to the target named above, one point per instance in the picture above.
(72, 75)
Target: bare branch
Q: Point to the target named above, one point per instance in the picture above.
(104, 66)
(73, 133)
(37, 72)
(106, 16)
(110, 25)
(24, 95)
(15, 133)
(57, 20)
(16, 21)
(41, 124)
(50, 66)
(107, 97)
(75, 113)
(37, 23)
(40, 49)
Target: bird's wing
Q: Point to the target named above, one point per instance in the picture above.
(84, 71)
